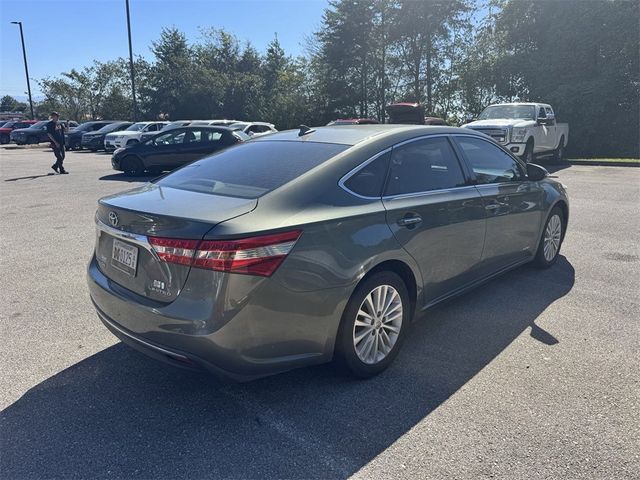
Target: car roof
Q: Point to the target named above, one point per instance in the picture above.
(355, 134)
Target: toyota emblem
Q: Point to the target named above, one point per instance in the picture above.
(113, 219)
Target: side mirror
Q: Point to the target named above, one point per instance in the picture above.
(536, 173)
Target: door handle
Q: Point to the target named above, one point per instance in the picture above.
(492, 206)
(409, 221)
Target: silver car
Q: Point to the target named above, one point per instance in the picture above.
(307, 246)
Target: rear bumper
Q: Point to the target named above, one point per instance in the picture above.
(238, 339)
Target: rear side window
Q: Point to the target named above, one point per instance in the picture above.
(251, 169)
(369, 180)
(422, 166)
(489, 163)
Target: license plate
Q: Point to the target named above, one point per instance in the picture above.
(124, 257)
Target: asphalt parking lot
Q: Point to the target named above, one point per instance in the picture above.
(534, 375)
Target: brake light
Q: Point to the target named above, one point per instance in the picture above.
(260, 255)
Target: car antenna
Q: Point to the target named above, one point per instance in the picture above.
(304, 130)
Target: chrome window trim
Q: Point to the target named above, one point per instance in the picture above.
(491, 141)
(353, 171)
(402, 196)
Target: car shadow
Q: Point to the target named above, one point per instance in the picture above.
(121, 177)
(121, 415)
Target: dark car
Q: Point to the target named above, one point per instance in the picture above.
(37, 133)
(353, 121)
(73, 139)
(411, 114)
(301, 247)
(94, 141)
(10, 126)
(173, 148)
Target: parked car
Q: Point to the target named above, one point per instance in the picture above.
(131, 135)
(254, 129)
(169, 126)
(73, 140)
(219, 122)
(37, 133)
(353, 121)
(173, 148)
(8, 127)
(411, 114)
(300, 247)
(94, 141)
(525, 129)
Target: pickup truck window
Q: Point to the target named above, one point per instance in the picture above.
(525, 112)
(542, 113)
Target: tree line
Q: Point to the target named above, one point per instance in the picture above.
(453, 56)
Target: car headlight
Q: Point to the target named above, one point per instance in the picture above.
(518, 134)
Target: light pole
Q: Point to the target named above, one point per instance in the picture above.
(133, 83)
(26, 69)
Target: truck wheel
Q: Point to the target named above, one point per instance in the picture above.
(559, 153)
(527, 156)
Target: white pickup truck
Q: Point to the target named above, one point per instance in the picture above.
(525, 129)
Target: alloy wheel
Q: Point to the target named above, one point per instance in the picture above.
(377, 325)
(552, 236)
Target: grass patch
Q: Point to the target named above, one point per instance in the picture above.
(605, 160)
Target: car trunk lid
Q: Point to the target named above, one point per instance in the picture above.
(126, 221)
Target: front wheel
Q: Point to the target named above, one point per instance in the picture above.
(132, 166)
(527, 156)
(32, 140)
(551, 241)
(373, 325)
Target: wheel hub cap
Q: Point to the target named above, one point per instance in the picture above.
(552, 236)
(378, 323)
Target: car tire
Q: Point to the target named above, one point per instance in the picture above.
(558, 155)
(527, 156)
(551, 239)
(367, 344)
(132, 166)
(32, 140)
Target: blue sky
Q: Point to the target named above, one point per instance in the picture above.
(65, 34)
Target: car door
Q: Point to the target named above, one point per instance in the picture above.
(512, 204)
(544, 133)
(435, 213)
(164, 151)
(198, 143)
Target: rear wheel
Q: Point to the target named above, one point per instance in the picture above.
(551, 241)
(132, 166)
(373, 325)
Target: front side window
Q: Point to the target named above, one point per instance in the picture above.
(422, 166)
(542, 113)
(489, 163)
(369, 180)
(170, 138)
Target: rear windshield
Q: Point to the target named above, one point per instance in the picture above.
(252, 169)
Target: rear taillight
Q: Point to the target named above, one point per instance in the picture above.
(253, 256)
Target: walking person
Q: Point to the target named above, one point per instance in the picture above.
(55, 132)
